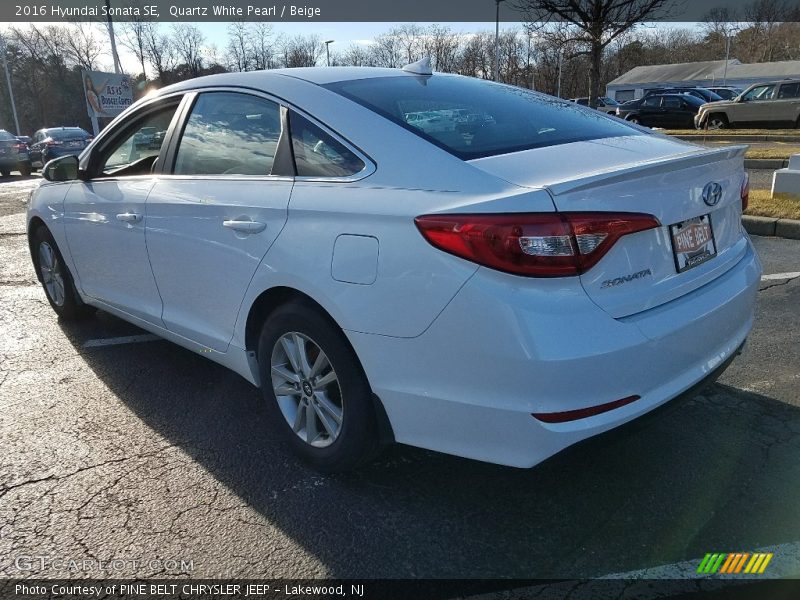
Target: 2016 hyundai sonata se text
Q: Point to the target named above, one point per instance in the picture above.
(390, 254)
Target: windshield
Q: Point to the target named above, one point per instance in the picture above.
(472, 118)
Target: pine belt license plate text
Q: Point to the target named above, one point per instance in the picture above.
(692, 242)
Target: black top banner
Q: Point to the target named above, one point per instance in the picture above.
(354, 10)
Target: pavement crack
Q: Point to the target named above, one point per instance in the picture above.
(780, 283)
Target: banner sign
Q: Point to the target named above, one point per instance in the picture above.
(107, 94)
(350, 10)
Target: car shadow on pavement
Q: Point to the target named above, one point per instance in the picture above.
(719, 472)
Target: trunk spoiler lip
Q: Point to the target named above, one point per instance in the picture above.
(656, 166)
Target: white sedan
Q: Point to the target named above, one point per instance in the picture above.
(533, 274)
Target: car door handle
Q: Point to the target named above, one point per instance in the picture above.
(129, 217)
(245, 226)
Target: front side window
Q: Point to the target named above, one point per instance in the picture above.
(229, 133)
(471, 118)
(761, 92)
(138, 148)
(318, 154)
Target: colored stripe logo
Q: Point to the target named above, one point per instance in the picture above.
(734, 562)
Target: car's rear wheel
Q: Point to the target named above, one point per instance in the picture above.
(717, 122)
(25, 170)
(56, 278)
(5, 172)
(635, 120)
(315, 389)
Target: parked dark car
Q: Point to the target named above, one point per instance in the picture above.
(604, 104)
(25, 139)
(698, 92)
(671, 111)
(13, 155)
(53, 142)
(726, 93)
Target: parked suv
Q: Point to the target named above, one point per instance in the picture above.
(13, 155)
(772, 104)
(726, 92)
(671, 111)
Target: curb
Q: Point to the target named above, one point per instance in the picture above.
(766, 163)
(740, 138)
(771, 226)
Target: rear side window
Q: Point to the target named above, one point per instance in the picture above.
(318, 154)
(672, 103)
(229, 134)
(652, 101)
(472, 118)
(789, 90)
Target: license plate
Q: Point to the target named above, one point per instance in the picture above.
(74, 144)
(692, 242)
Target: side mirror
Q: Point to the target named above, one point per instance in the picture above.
(63, 168)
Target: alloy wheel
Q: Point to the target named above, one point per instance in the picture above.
(307, 389)
(52, 275)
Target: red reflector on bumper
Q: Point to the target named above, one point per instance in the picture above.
(582, 413)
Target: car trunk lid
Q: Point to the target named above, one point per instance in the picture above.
(665, 179)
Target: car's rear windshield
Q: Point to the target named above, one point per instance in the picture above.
(5, 136)
(67, 132)
(473, 118)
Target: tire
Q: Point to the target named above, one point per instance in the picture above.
(25, 170)
(308, 408)
(635, 120)
(5, 172)
(718, 121)
(56, 279)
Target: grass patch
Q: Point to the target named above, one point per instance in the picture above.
(775, 132)
(782, 207)
(778, 151)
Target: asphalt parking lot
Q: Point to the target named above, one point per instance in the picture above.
(143, 459)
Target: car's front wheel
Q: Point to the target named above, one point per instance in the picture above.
(717, 122)
(315, 388)
(56, 278)
(635, 120)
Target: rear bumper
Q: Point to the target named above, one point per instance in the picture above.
(506, 347)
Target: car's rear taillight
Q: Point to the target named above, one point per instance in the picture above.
(532, 244)
(745, 191)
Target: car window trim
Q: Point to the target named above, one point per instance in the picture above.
(369, 165)
(109, 136)
(192, 96)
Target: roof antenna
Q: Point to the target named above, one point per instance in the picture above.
(421, 67)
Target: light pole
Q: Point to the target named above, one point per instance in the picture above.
(114, 54)
(560, 64)
(328, 51)
(8, 80)
(497, 40)
(728, 52)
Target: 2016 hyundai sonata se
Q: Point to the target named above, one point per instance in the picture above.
(446, 262)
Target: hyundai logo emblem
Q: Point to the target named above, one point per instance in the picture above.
(712, 193)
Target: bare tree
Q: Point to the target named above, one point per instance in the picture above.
(189, 40)
(594, 24)
(160, 51)
(302, 50)
(238, 52)
(262, 45)
(134, 38)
